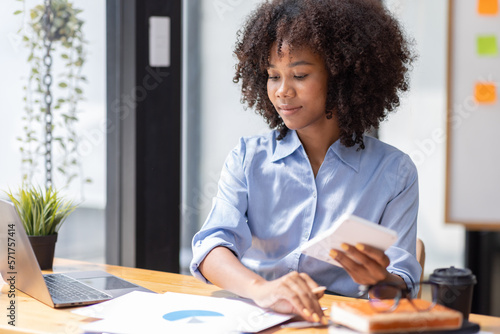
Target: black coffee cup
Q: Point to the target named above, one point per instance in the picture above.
(455, 287)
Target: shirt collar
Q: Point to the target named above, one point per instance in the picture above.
(348, 155)
(286, 146)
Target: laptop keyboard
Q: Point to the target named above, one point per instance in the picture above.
(67, 289)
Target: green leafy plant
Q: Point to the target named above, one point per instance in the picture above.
(66, 43)
(42, 212)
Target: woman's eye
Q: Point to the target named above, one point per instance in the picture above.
(300, 77)
(271, 77)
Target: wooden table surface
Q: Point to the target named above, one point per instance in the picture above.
(35, 317)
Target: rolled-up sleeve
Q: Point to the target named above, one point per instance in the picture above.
(401, 215)
(226, 225)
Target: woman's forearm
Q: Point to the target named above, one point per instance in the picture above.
(222, 268)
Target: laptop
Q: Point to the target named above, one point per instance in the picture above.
(19, 267)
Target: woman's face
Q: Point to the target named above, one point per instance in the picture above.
(297, 87)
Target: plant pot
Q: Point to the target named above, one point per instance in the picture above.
(43, 247)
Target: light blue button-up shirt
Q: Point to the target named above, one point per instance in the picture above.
(269, 203)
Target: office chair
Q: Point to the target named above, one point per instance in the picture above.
(421, 259)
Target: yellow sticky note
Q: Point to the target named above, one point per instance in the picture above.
(485, 92)
(487, 45)
(487, 7)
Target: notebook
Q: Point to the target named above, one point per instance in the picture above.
(19, 267)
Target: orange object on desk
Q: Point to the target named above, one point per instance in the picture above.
(363, 317)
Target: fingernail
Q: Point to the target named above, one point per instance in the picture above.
(344, 246)
(361, 247)
(324, 320)
(315, 317)
(333, 253)
(319, 289)
(306, 312)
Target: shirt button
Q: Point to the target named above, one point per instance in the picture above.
(314, 194)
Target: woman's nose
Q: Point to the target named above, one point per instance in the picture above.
(285, 89)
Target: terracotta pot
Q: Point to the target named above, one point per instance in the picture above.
(43, 247)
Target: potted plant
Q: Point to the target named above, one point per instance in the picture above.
(42, 214)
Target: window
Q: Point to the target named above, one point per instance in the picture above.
(82, 235)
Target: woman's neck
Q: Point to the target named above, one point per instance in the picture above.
(316, 143)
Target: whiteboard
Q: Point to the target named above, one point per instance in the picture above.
(473, 124)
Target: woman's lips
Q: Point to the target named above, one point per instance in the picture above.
(288, 110)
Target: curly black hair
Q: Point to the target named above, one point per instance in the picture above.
(364, 49)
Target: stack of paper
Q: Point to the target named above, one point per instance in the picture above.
(142, 312)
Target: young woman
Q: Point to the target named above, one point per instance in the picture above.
(321, 73)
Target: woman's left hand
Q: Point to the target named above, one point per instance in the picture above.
(366, 265)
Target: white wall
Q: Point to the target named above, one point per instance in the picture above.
(223, 118)
(419, 127)
(212, 125)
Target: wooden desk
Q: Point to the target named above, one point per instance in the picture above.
(35, 317)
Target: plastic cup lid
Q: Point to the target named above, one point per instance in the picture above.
(452, 275)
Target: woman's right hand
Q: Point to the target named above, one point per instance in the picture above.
(292, 293)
